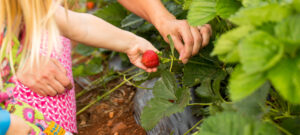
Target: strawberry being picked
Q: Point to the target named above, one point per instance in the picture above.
(150, 59)
(90, 5)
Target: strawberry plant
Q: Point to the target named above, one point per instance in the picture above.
(246, 81)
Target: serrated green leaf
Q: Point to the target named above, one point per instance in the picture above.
(171, 44)
(158, 107)
(261, 14)
(226, 46)
(155, 110)
(289, 31)
(242, 84)
(113, 13)
(254, 104)
(132, 21)
(194, 74)
(205, 91)
(259, 51)
(285, 77)
(202, 11)
(230, 123)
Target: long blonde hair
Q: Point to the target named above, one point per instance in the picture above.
(35, 19)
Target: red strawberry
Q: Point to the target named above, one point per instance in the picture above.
(90, 5)
(150, 59)
(172, 101)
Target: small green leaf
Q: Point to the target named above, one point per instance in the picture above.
(285, 77)
(259, 51)
(230, 123)
(242, 84)
(226, 46)
(171, 44)
(260, 14)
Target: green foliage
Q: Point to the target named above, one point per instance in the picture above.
(285, 77)
(158, 107)
(261, 14)
(113, 13)
(202, 11)
(230, 123)
(227, 45)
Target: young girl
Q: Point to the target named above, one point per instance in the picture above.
(44, 26)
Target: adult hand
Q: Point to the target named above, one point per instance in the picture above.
(188, 40)
(17, 126)
(45, 79)
(136, 51)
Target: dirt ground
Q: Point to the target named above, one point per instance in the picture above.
(110, 116)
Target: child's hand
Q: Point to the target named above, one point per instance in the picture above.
(135, 53)
(18, 126)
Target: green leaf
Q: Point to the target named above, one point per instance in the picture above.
(259, 51)
(225, 8)
(195, 73)
(296, 5)
(289, 31)
(254, 104)
(230, 123)
(226, 46)
(158, 107)
(292, 125)
(132, 21)
(260, 14)
(202, 11)
(242, 84)
(205, 91)
(113, 13)
(187, 4)
(84, 50)
(171, 44)
(285, 77)
(165, 87)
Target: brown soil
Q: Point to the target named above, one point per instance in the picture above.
(110, 116)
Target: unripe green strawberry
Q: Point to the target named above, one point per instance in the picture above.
(150, 59)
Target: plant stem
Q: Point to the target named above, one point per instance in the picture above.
(200, 104)
(106, 93)
(100, 80)
(193, 127)
(172, 59)
(135, 84)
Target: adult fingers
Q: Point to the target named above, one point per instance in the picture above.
(206, 33)
(178, 45)
(188, 40)
(197, 40)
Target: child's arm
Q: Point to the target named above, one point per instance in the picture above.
(91, 30)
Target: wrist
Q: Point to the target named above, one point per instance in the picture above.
(161, 20)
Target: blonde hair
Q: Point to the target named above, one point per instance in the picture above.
(35, 18)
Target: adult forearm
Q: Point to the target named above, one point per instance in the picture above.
(151, 10)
